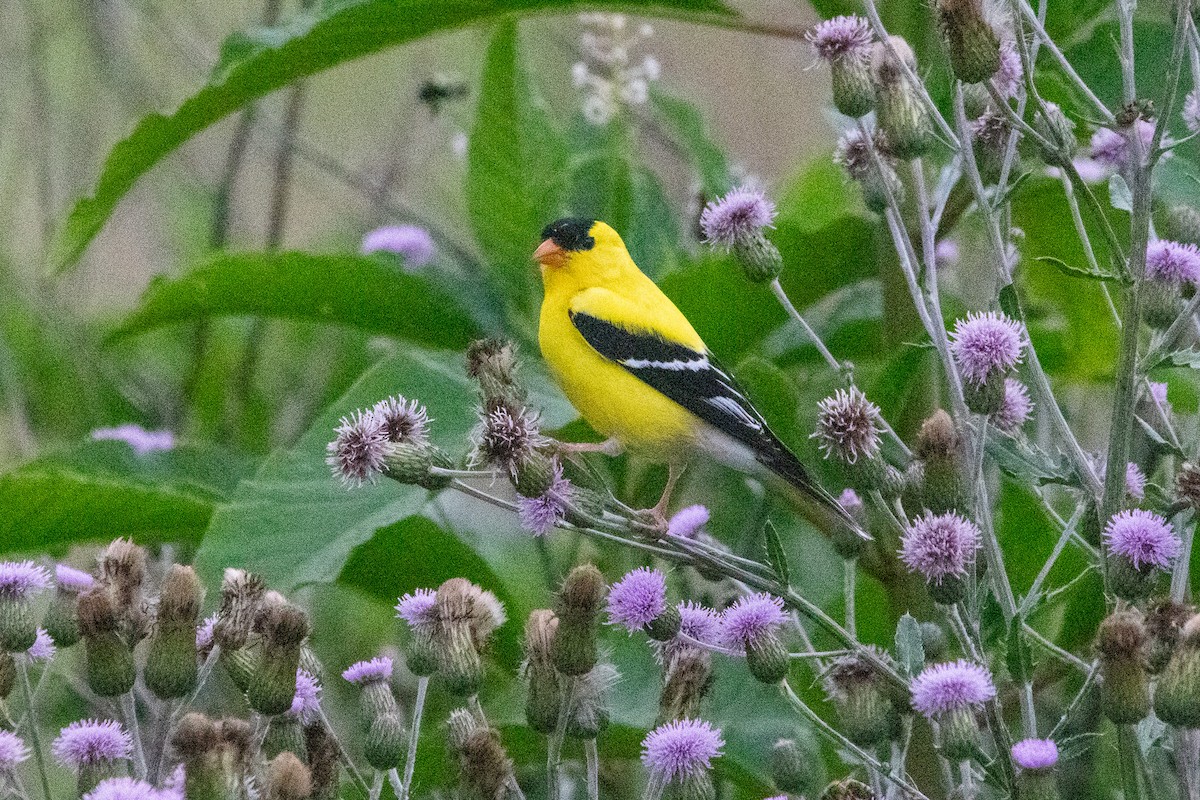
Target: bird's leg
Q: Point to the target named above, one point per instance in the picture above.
(609, 447)
(659, 512)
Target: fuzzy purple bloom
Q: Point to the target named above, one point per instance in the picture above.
(737, 218)
(204, 633)
(687, 522)
(21, 579)
(848, 426)
(306, 704)
(1143, 537)
(1035, 753)
(1015, 409)
(842, 37)
(73, 580)
(539, 515)
(1158, 393)
(699, 622)
(403, 420)
(123, 789)
(850, 502)
(1172, 262)
(681, 748)
(410, 242)
(12, 751)
(1111, 149)
(750, 618)
(951, 686)
(417, 609)
(43, 648)
(1011, 74)
(356, 453)
(1191, 111)
(141, 440)
(940, 545)
(364, 672)
(637, 599)
(986, 343)
(947, 253)
(1135, 481)
(90, 742)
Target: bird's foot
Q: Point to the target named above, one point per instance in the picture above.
(609, 447)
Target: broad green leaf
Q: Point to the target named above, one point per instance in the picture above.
(372, 294)
(776, 555)
(255, 64)
(1028, 465)
(684, 125)
(910, 646)
(100, 490)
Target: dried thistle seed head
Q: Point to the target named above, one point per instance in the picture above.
(485, 763)
(323, 754)
(283, 626)
(123, 567)
(688, 680)
(356, 453)
(461, 725)
(493, 363)
(539, 639)
(938, 437)
(288, 778)
(182, 596)
(1187, 484)
(582, 593)
(1164, 624)
(195, 736)
(237, 737)
(590, 714)
(1122, 637)
(97, 614)
(848, 789)
(404, 421)
(241, 596)
(507, 436)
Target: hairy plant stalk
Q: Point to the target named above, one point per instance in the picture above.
(554, 746)
(1126, 751)
(35, 737)
(849, 571)
(410, 762)
(592, 756)
(129, 712)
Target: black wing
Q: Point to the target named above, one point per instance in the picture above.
(697, 382)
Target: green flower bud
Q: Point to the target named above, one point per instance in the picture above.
(665, 626)
(792, 767)
(848, 789)
(239, 666)
(171, 668)
(579, 603)
(853, 88)
(544, 698)
(62, 619)
(940, 450)
(897, 105)
(18, 629)
(387, 741)
(285, 735)
(937, 648)
(972, 44)
(534, 474)
(1161, 304)
(760, 259)
(288, 778)
(1037, 784)
(987, 397)
(767, 658)
(459, 665)
(110, 667)
(1177, 698)
(422, 656)
(867, 715)
(284, 628)
(1059, 131)
(1121, 646)
(960, 734)
(408, 462)
(948, 591)
(1129, 582)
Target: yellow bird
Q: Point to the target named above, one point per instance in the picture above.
(638, 372)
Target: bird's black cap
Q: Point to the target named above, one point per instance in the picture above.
(571, 233)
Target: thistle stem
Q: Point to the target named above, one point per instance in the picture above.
(129, 711)
(1126, 744)
(784, 301)
(593, 769)
(35, 737)
(554, 747)
(849, 567)
(376, 786)
(411, 762)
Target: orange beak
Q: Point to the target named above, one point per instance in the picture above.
(549, 254)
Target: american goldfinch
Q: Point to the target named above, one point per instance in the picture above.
(638, 372)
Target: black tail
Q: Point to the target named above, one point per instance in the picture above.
(818, 505)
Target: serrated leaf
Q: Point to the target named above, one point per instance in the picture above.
(910, 645)
(1079, 272)
(257, 63)
(1018, 459)
(1017, 657)
(1010, 304)
(1119, 194)
(372, 294)
(776, 556)
(1181, 358)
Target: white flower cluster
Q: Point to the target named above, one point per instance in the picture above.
(611, 80)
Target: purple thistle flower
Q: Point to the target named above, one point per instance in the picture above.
(1143, 537)
(1135, 481)
(43, 648)
(853, 153)
(356, 453)
(681, 748)
(750, 618)
(697, 623)
(204, 633)
(687, 522)
(417, 609)
(123, 789)
(306, 704)
(361, 673)
(12, 751)
(940, 545)
(1015, 409)
(951, 686)
(985, 344)
(21, 579)
(539, 515)
(850, 502)
(73, 580)
(507, 437)
(1035, 753)
(1158, 393)
(637, 599)
(842, 37)
(1009, 78)
(737, 218)
(403, 420)
(173, 784)
(848, 426)
(1191, 111)
(1172, 262)
(141, 440)
(91, 742)
(947, 253)
(410, 242)
(1111, 149)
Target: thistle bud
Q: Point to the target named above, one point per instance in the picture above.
(848, 789)
(535, 475)
(493, 363)
(1161, 303)
(283, 628)
(236, 748)
(459, 664)
(19, 583)
(196, 742)
(485, 764)
(285, 735)
(792, 767)
(990, 133)
(1182, 224)
(589, 706)
(8, 674)
(171, 669)
(1059, 131)
(240, 666)
(461, 725)
(386, 741)
(544, 697)
(323, 754)
(123, 571)
(1177, 698)
(940, 449)
(110, 666)
(1121, 646)
(288, 778)
(1164, 624)
(578, 608)
(408, 462)
(62, 620)
(867, 715)
(688, 680)
(973, 46)
(241, 595)
(1187, 485)
(897, 105)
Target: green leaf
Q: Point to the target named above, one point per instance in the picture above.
(257, 63)
(1079, 272)
(372, 294)
(776, 556)
(684, 125)
(910, 646)
(1028, 465)
(1180, 358)
(99, 490)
